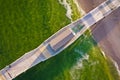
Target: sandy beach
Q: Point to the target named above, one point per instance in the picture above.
(1, 77)
(106, 32)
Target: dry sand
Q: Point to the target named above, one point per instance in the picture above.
(1, 77)
(107, 31)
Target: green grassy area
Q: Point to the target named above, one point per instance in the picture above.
(26, 24)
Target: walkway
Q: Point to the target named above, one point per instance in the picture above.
(59, 41)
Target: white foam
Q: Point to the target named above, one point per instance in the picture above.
(82, 12)
(103, 53)
(67, 7)
(94, 63)
(79, 65)
(116, 65)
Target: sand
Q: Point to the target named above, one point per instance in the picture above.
(1, 77)
(106, 32)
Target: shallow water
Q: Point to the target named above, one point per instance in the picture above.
(80, 61)
(35, 19)
(68, 8)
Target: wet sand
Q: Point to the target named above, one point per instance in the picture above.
(106, 32)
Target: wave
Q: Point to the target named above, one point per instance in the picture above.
(117, 67)
(67, 7)
(75, 70)
(82, 12)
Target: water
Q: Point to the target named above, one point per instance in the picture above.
(75, 70)
(81, 61)
(117, 67)
(79, 8)
(68, 8)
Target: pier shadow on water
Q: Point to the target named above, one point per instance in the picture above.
(58, 67)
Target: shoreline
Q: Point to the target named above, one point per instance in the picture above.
(106, 33)
(116, 65)
(68, 9)
(79, 8)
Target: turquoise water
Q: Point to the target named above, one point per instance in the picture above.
(24, 24)
(56, 68)
(81, 61)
